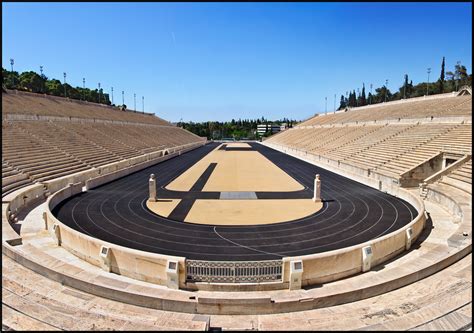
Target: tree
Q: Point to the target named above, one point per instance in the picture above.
(381, 94)
(31, 81)
(370, 98)
(460, 73)
(451, 79)
(363, 100)
(405, 84)
(343, 103)
(352, 99)
(10, 79)
(54, 87)
(441, 79)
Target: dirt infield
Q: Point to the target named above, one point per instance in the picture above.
(240, 212)
(237, 171)
(250, 212)
(163, 207)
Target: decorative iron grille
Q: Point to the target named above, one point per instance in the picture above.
(234, 271)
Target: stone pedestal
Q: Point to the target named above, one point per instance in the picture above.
(104, 255)
(172, 273)
(366, 258)
(296, 274)
(409, 236)
(152, 188)
(317, 189)
(57, 234)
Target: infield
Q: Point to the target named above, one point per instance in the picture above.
(237, 170)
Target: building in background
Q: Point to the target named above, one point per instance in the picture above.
(270, 128)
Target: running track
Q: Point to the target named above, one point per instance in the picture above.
(352, 213)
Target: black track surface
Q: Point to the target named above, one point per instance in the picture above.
(352, 213)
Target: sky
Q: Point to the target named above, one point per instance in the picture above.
(222, 61)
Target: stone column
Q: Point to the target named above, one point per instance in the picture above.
(152, 187)
(317, 189)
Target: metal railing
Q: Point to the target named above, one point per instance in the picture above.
(234, 271)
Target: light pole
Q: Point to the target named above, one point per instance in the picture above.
(112, 95)
(99, 93)
(386, 89)
(12, 61)
(123, 98)
(334, 102)
(358, 95)
(427, 84)
(134, 102)
(143, 104)
(64, 84)
(42, 83)
(326, 107)
(84, 88)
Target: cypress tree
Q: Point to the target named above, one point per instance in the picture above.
(441, 78)
(363, 100)
(342, 103)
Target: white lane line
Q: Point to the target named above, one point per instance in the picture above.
(249, 248)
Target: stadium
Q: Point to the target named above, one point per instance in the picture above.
(116, 219)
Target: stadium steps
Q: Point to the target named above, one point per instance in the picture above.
(462, 184)
(434, 132)
(49, 305)
(57, 172)
(393, 132)
(14, 186)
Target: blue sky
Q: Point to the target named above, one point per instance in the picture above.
(218, 61)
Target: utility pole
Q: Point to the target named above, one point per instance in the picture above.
(99, 93)
(357, 98)
(112, 95)
(123, 98)
(84, 88)
(143, 104)
(428, 84)
(326, 107)
(42, 84)
(386, 89)
(64, 84)
(334, 102)
(134, 102)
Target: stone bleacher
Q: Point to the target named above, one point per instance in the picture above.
(56, 145)
(460, 178)
(15, 102)
(448, 106)
(387, 147)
